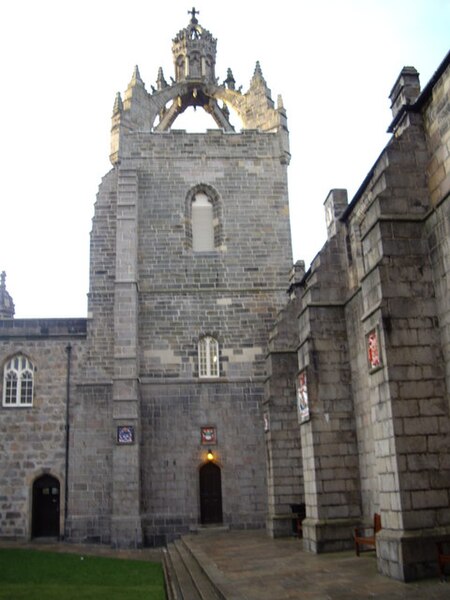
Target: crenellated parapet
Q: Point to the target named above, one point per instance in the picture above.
(195, 84)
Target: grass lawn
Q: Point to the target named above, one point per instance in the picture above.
(31, 574)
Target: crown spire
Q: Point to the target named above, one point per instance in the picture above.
(194, 52)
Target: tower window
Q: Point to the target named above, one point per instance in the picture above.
(208, 357)
(203, 219)
(202, 224)
(18, 380)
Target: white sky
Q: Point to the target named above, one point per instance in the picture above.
(333, 61)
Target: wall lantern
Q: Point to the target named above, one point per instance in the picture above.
(210, 455)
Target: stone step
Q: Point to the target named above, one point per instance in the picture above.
(204, 586)
(191, 575)
(173, 591)
(223, 588)
(208, 529)
(179, 582)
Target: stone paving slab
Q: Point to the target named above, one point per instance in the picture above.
(255, 567)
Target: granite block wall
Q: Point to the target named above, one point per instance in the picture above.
(172, 454)
(162, 297)
(90, 465)
(284, 471)
(33, 440)
(373, 341)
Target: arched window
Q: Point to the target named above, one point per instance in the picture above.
(208, 357)
(203, 219)
(18, 379)
(180, 68)
(202, 224)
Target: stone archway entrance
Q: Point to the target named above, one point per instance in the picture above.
(210, 494)
(46, 501)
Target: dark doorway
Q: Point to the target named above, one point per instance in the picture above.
(45, 507)
(210, 494)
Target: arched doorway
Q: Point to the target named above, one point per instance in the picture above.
(210, 494)
(46, 500)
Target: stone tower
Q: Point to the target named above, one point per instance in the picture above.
(190, 254)
(6, 302)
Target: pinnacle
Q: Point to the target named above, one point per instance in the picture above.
(258, 78)
(160, 80)
(118, 104)
(230, 82)
(258, 71)
(6, 302)
(136, 77)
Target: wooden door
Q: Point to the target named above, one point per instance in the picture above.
(210, 494)
(46, 500)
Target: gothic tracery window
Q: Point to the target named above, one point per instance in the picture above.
(18, 382)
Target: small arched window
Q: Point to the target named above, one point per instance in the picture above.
(202, 224)
(208, 357)
(203, 219)
(18, 380)
(180, 68)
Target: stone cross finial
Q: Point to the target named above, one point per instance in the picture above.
(193, 12)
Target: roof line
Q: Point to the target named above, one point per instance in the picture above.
(416, 107)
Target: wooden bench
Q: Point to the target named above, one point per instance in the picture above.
(364, 540)
(443, 559)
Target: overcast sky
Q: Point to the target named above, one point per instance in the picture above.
(333, 61)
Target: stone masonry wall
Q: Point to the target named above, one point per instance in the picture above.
(328, 440)
(285, 492)
(408, 394)
(33, 438)
(232, 293)
(102, 276)
(364, 409)
(384, 272)
(240, 323)
(251, 183)
(437, 129)
(172, 414)
(90, 469)
(284, 470)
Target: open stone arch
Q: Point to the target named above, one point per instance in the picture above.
(184, 94)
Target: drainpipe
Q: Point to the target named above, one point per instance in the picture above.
(67, 427)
